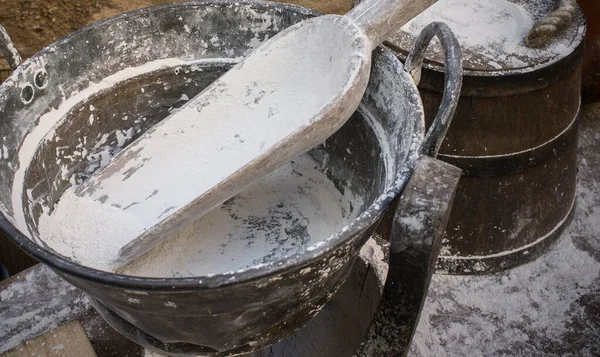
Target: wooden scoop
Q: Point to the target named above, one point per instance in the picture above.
(286, 97)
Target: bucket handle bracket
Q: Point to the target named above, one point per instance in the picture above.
(416, 236)
(420, 215)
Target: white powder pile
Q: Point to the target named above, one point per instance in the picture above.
(491, 32)
(79, 228)
(477, 23)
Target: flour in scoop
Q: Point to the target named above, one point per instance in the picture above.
(282, 214)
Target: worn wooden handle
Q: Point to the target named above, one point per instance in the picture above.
(378, 18)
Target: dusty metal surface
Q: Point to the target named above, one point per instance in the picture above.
(417, 231)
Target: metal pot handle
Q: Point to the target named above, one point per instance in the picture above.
(417, 230)
(549, 27)
(9, 50)
(453, 75)
(422, 212)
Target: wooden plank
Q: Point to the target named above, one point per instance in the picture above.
(67, 340)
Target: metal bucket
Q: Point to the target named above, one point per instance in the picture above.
(222, 314)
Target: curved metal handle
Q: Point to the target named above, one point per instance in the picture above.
(417, 230)
(453, 76)
(549, 27)
(9, 50)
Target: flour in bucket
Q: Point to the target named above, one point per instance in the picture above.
(280, 215)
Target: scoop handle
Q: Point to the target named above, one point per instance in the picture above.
(378, 18)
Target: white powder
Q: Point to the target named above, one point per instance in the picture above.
(504, 310)
(477, 24)
(86, 230)
(372, 254)
(20, 322)
(148, 353)
(282, 214)
(491, 32)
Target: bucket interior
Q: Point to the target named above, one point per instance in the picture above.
(151, 62)
(255, 227)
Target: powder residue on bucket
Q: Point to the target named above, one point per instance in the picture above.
(45, 128)
(242, 126)
(76, 227)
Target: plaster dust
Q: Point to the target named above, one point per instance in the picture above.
(20, 322)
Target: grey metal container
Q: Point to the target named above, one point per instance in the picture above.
(224, 314)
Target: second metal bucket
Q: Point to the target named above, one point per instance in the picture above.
(514, 136)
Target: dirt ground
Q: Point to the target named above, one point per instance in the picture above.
(33, 24)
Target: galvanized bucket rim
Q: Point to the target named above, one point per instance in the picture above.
(366, 219)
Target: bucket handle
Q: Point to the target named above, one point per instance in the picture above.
(9, 50)
(548, 28)
(420, 215)
(453, 80)
(418, 227)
